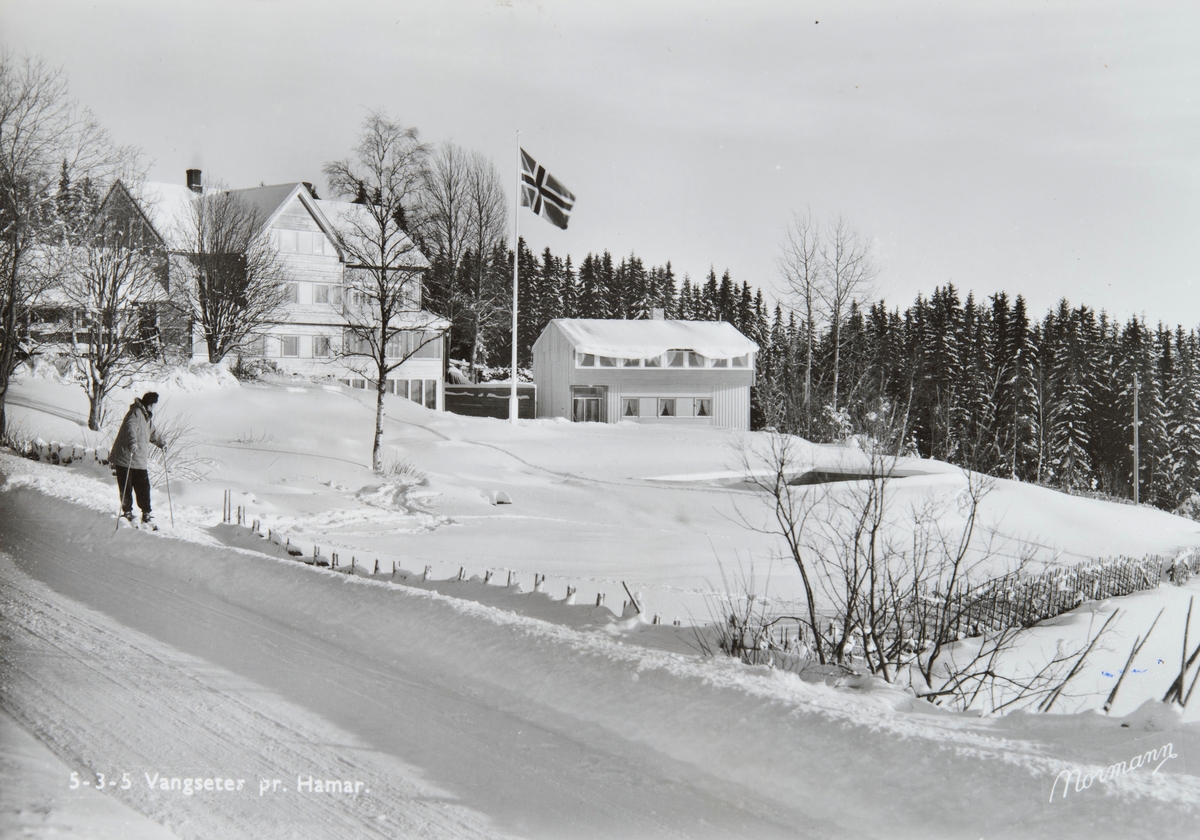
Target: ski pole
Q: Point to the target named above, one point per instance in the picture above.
(122, 489)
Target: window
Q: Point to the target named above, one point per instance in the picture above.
(695, 359)
(321, 348)
(335, 295)
(320, 293)
(702, 406)
(741, 361)
(290, 344)
(291, 292)
(287, 241)
(629, 407)
(431, 393)
(675, 358)
(666, 407)
(720, 363)
(655, 362)
(631, 362)
(415, 391)
(304, 242)
(357, 344)
(608, 361)
(395, 347)
(429, 345)
(585, 360)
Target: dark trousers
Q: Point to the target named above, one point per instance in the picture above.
(130, 482)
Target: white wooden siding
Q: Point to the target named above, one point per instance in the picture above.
(295, 216)
(552, 358)
(731, 407)
(555, 373)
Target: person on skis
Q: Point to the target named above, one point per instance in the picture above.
(130, 454)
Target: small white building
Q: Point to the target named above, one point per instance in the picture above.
(681, 372)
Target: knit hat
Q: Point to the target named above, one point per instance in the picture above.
(149, 398)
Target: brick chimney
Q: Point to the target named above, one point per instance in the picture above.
(195, 180)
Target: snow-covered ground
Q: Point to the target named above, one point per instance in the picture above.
(472, 708)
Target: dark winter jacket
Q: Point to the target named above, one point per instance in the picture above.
(131, 449)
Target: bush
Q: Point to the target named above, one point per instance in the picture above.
(405, 471)
(253, 368)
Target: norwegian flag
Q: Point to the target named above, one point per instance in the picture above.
(542, 192)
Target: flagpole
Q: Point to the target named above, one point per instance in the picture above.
(512, 398)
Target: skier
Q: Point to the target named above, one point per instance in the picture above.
(130, 453)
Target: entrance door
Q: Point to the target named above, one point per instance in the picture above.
(587, 405)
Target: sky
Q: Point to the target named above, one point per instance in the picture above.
(1049, 150)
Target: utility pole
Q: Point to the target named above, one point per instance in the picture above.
(513, 405)
(1137, 478)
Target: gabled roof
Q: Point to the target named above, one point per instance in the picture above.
(622, 339)
(269, 200)
(169, 207)
(119, 191)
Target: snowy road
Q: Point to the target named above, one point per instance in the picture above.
(122, 670)
(141, 654)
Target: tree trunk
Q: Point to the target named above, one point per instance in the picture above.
(475, 349)
(837, 344)
(95, 410)
(810, 328)
(377, 449)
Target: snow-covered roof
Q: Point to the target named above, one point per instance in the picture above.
(169, 209)
(623, 339)
(269, 200)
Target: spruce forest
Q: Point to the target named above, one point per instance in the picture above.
(977, 383)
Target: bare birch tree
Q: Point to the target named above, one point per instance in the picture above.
(387, 174)
(113, 268)
(847, 274)
(234, 281)
(826, 268)
(43, 133)
(486, 301)
(443, 211)
(803, 271)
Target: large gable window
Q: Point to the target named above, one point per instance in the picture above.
(678, 359)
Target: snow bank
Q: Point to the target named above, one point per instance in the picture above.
(193, 379)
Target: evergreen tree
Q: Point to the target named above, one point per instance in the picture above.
(1183, 421)
(569, 294)
(591, 304)
(1069, 464)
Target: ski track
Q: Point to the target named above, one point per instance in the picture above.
(111, 700)
(763, 743)
(542, 773)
